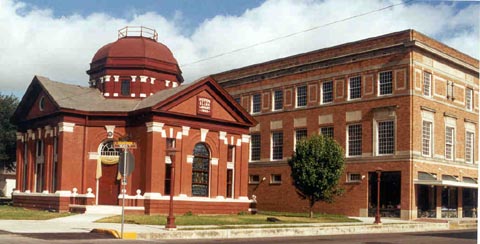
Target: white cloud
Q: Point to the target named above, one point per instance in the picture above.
(34, 41)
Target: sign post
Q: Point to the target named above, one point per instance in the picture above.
(126, 166)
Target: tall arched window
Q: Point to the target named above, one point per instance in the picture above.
(200, 170)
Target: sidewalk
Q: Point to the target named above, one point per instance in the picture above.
(84, 223)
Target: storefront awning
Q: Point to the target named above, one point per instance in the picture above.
(447, 180)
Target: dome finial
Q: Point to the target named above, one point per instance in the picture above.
(138, 31)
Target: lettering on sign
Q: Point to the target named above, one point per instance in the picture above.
(204, 106)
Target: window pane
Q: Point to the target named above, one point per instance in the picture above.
(255, 147)
(327, 92)
(301, 96)
(355, 140)
(385, 83)
(277, 145)
(278, 96)
(327, 131)
(256, 103)
(386, 137)
(449, 142)
(125, 89)
(469, 147)
(427, 77)
(469, 99)
(300, 134)
(355, 87)
(200, 170)
(427, 138)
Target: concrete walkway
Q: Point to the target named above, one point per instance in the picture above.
(84, 223)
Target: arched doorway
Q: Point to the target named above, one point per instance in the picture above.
(200, 170)
(108, 182)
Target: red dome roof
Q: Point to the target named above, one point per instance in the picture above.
(134, 53)
(135, 47)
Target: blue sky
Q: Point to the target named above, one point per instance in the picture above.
(57, 39)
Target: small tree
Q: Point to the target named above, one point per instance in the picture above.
(316, 166)
(8, 104)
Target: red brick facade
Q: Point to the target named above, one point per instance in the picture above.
(66, 136)
(396, 97)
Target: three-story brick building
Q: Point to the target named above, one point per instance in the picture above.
(402, 103)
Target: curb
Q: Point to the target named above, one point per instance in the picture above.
(112, 233)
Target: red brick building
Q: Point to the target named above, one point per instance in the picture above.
(67, 134)
(401, 103)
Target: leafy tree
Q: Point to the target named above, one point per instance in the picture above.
(8, 104)
(317, 165)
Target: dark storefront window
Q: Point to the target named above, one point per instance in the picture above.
(449, 202)
(200, 170)
(426, 201)
(470, 203)
(390, 193)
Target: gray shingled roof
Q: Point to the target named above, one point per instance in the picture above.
(88, 99)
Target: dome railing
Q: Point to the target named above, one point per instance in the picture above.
(138, 31)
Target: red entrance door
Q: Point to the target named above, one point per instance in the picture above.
(109, 186)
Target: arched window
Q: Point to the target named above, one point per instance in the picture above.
(200, 170)
(108, 153)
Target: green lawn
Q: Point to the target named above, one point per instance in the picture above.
(9, 212)
(240, 219)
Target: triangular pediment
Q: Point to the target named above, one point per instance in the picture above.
(205, 99)
(35, 103)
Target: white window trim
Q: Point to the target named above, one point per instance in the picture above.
(271, 146)
(321, 92)
(430, 85)
(251, 106)
(295, 136)
(250, 181)
(472, 100)
(250, 148)
(275, 182)
(378, 84)
(375, 141)
(349, 179)
(347, 147)
(274, 100)
(453, 142)
(432, 139)
(296, 96)
(472, 147)
(348, 90)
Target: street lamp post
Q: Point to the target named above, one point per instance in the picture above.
(171, 218)
(377, 214)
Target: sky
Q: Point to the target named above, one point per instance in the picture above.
(58, 39)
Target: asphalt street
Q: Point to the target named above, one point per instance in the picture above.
(444, 237)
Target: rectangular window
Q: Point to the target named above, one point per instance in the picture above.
(386, 137)
(327, 131)
(278, 100)
(300, 134)
(256, 103)
(354, 177)
(449, 143)
(354, 140)
(277, 145)
(125, 88)
(276, 179)
(168, 178)
(427, 84)
(253, 179)
(54, 165)
(450, 86)
(469, 146)
(25, 166)
(301, 96)
(427, 139)
(327, 91)
(229, 183)
(39, 161)
(385, 83)
(255, 147)
(231, 154)
(469, 99)
(355, 87)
